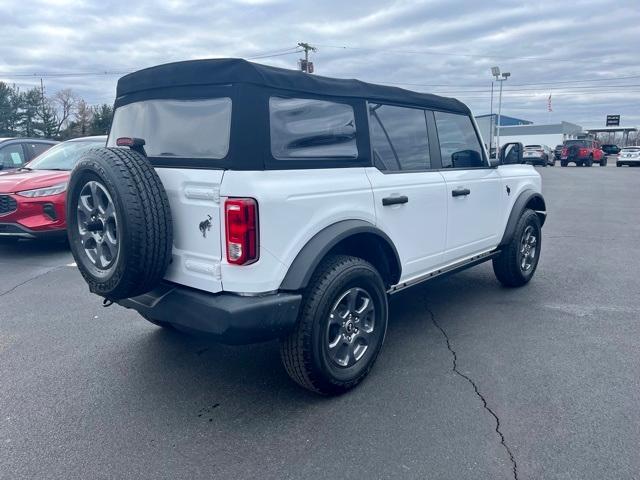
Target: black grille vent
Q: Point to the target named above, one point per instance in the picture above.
(7, 204)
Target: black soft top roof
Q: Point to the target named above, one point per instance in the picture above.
(234, 71)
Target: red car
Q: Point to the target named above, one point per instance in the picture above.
(32, 199)
(583, 152)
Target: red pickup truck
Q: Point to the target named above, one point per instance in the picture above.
(583, 152)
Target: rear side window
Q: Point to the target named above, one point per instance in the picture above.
(399, 138)
(459, 144)
(307, 128)
(11, 156)
(176, 128)
(36, 149)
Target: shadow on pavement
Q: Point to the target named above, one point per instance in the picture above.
(32, 249)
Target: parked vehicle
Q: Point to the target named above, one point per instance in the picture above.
(611, 149)
(557, 152)
(32, 198)
(629, 156)
(346, 193)
(15, 152)
(538, 155)
(583, 152)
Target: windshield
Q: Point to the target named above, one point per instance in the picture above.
(176, 128)
(63, 156)
(631, 149)
(580, 143)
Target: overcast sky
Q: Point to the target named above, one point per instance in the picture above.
(580, 52)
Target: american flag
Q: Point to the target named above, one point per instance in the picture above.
(549, 104)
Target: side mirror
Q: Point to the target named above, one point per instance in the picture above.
(511, 153)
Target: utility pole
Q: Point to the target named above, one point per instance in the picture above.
(307, 48)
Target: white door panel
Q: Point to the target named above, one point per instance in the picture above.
(417, 227)
(474, 219)
(194, 196)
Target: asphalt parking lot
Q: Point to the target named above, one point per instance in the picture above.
(545, 384)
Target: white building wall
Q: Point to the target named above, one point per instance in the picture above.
(550, 139)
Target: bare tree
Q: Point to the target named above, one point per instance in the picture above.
(82, 118)
(65, 102)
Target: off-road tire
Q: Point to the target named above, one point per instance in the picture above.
(589, 161)
(144, 227)
(507, 265)
(563, 163)
(303, 352)
(603, 162)
(618, 164)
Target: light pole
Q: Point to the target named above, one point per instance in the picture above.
(491, 121)
(495, 71)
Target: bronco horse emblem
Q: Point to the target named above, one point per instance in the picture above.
(205, 226)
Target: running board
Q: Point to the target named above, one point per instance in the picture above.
(448, 270)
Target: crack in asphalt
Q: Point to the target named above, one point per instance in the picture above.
(6, 292)
(503, 441)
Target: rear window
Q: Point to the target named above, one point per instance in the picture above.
(307, 128)
(399, 138)
(580, 143)
(536, 147)
(176, 128)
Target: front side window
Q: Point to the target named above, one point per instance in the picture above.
(459, 144)
(307, 128)
(399, 138)
(176, 128)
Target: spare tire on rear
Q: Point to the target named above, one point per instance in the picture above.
(118, 222)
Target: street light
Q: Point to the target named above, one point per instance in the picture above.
(495, 71)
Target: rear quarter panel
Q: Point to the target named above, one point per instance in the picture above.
(293, 206)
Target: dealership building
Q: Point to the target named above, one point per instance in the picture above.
(524, 131)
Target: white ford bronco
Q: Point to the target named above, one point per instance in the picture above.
(252, 203)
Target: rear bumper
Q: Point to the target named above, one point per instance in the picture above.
(19, 231)
(230, 318)
(535, 160)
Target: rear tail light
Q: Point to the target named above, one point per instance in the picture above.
(241, 224)
(583, 152)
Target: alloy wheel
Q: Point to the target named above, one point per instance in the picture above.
(528, 248)
(98, 225)
(351, 327)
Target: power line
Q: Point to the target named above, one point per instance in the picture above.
(451, 54)
(289, 51)
(586, 88)
(559, 82)
(278, 53)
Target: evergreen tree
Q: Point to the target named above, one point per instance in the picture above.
(101, 121)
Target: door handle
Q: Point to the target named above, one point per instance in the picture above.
(460, 192)
(395, 200)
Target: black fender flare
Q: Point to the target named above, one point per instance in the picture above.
(526, 197)
(321, 243)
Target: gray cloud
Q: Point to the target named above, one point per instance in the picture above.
(448, 44)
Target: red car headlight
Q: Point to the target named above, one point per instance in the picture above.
(44, 192)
